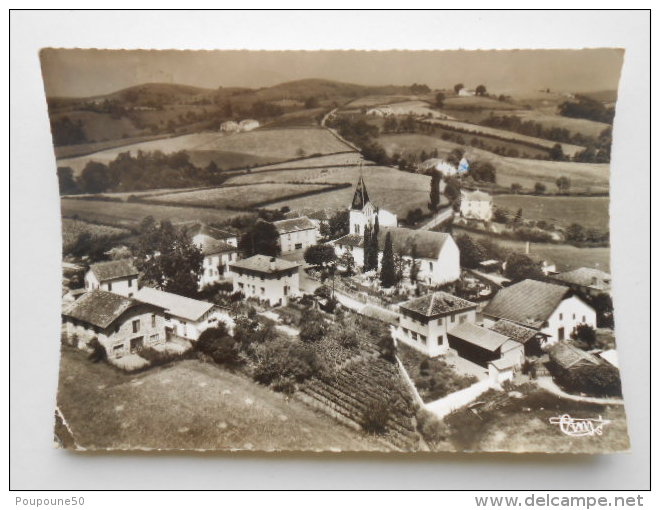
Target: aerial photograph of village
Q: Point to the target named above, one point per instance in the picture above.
(336, 251)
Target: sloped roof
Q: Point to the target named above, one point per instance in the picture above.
(587, 277)
(294, 225)
(427, 244)
(437, 304)
(514, 331)
(476, 196)
(113, 269)
(360, 197)
(100, 308)
(206, 230)
(567, 356)
(481, 337)
(529, 302)
(210, 246)
(179, 306)
(264, 264)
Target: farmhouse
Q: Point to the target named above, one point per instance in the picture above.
(426, 321)
(229, 126)
(267, 278)
(201, 232)
(363, 212)
(296, 234)
(381, 111)
(436, 253)
(483, 346)
(466, 92)
(551, 309)
(248, 125)
(589, 281)
(118, 276)
(476, 205)
(217, 257)
(121, 324)
(185, 317)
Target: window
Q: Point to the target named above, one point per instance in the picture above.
(153, 320)
(560, 333)
(118, 347)
(461, 319)
(423, 338)
(210, 272)
(440, 340)
(154, 338)
(130, 282)
(452, 318)
(136, 326)
(109, 287)
(414, 335)
(430, 266)
(262, 278)
(286, 290)
(263, 291)
(298, 246)
(561, 316)
(584, 319)
(573, 316)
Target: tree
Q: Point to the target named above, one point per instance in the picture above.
(518, 217)
(556, 153)
(348, 262)
(563, 184)
(539, 188)
(95, 178)
(313, 328)
(261, 239)
(471, 253)
(219, 345)
(585, 334)
(434, 195)
(521, 267)
(366, 247)
(458, 87)
(575, 232)
(320, 255)
(387, 347)
(67, 184)
(501, 215)
(387, 271)
(439, 100)
(516, 187)
(339, 224)
(373, 247)
(452, 189)
(414, 265)
(311, 102)
(480, 90)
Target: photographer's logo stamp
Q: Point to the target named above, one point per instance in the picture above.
(577, 427)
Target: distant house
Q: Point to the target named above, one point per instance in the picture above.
(219, 247)
(248, 125)
(267, 278)
(185, 317)
(296, 234)
(466, 92)
(436, 253)
(476, 205)
(426, 321)
(589, 281)
(229, 127)
(380, 111)
(200, 232)
(438, 165)
(551, 309)
(118, 276)
(121, 324)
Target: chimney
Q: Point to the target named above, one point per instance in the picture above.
(271, 266)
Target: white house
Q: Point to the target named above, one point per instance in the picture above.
(201, 233)
(230, 126)
(425, 321)
(476, 205)
(466, 92)
(551, 309)
(363, 212)
(438, 165)
(381, 111)
(122, 325)
(436, 253)
(118, 276)
(296, 234)
(267, 278)
(248, 124)
(186, 317)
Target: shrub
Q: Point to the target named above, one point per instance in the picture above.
(98, 351)
(314, 328)
(433, 430)
(282, 358)
(286, 385)
(375, 417)
(387, 347)
(216, 343)
(156, 358)
(597, 380)
(585, 334)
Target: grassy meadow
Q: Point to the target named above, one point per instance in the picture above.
(71, 229)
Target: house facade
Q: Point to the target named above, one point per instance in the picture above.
(435, 253)
(296, 234)
(122, 325)
(363, 212)
(425, 322)
(185, 317)
(476, 205)
(118, 276)
(266, 278)
(551, 309)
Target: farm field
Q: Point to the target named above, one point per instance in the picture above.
(71, 229)
(263, 145)
(369, 101)
(565, 256)
(130, 214)
(244, 196)
(389, 188)
(70, 151)
(593, 177)
(549, 120)
(342, 158)
(475, 103)
(568, 149)
(590, 212)
(107, 409)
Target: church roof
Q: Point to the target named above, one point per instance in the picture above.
(361, 197)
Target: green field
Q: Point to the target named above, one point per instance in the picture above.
(129, 214)
(237, 149)
(244, 196)
(189, 405)
(593, 177)
(71, 229)
(591, 212)
(565, 256)
(548, 120)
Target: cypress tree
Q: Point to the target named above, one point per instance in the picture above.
(367, 247)
(373, 249)
(434, 196)
(387, 271)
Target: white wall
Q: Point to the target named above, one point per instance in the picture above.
(570, 312)
(273, 287)
(477, 209)
(304, 238)
(122, 286)
(210, 273)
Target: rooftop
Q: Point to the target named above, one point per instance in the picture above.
(437, 304)
(179, 306)
(361, 197)
(567, 356)
(476, 196)
(514, 331)
(210, 246)
(100, 308)
(215, 233)
(587, 277)
(529, 302)
(481, 337)
(113, 269)
(294, 225)
(265, 264)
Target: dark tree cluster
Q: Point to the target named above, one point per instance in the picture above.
(67, 132)
(587, 108)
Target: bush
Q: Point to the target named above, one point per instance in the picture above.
(387, 347)
(216, 343)
(156, 358)
(433, 430)
(98, 351)
(314, 328)
(375, 417)
(597, 380)
(282, 359)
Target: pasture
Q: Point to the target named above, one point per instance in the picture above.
(475, 103)
(590, 212)
(370, 101)
(565, 256)
(585, 177)
(548, 120)
(211, 409)
(339, 159)
(233, 196)
(256, 147)
(130, 214)
(71, 229)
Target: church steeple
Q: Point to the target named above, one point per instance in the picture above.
(361, 197)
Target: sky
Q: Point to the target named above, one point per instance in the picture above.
(85, 73)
